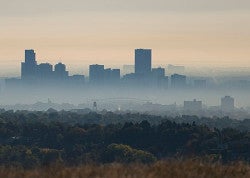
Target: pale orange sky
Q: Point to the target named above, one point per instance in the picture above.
(79, 33)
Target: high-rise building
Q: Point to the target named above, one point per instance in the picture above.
(96, 74)
(60, 72)
(29, 67)
(143, 62)
(112, 76)
(107, 75)
(45, 71)
(227, 104)
(30, 56)
(178, 81)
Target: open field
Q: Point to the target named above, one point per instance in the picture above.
(162, 169)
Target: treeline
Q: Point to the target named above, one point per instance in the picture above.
(31, 139)
(85, 116)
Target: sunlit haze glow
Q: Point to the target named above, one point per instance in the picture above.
(82, 32)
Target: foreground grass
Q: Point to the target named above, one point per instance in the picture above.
(166, 169)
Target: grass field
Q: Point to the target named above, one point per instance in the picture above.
(163, 169)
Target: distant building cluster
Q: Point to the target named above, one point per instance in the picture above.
(141, 74)
(98, 75)
(227, 105)
(45, 73)
(193, 105)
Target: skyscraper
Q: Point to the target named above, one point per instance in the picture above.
(29, 67)
(45, 71)
(112, 76)
(143, 62)
(96, 74)
(30, 56)
(60, 71)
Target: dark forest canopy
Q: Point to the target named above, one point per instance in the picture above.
(104, 118)
(30, 139)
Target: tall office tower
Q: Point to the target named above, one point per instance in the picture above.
(227, 104)
(60, 72)
(30, 56)
(143, 62)
(29, 67)
(178, 81)
(96, 74)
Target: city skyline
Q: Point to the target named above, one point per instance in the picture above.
(46, 77)
(142, 74)
(83, 67)
(190, 33)
(135, 88)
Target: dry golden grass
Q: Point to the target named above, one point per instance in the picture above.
(164, 169)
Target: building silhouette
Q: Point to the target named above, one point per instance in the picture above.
(45, 71)
(112, 76)
(158, 72)
(178, 81)
(143, 76)
(193, 105)
(96, 74)
(227, 104)
(116, 74)
(43, 74)
(159, 78)
(29, 67)
(30, 56)
(60, 72)
(143, 62)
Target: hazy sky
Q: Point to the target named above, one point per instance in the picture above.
(82, 32)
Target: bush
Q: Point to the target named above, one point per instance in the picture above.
(126, 154)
